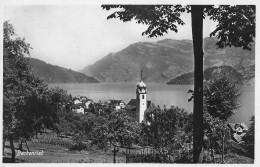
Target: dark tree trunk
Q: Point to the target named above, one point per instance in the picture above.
(213, 156)
(129, 150)
(12, 147)
(223, 147)
(21, 145)
(126, 152)
(212, 149)
(114, 158)
(4, 139)
(197, 35)
(27, 146)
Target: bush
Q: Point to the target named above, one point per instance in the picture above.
(78, 143)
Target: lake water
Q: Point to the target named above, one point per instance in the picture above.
(159, 93)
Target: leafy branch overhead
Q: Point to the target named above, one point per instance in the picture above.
(236, 24)
(159, 18)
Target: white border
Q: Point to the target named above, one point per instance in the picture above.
(99, 2)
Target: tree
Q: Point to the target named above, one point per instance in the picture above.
(221, 99)
(58, 98)
(27, 101)
(16, 75)
(236, 26)
(249, 139)
(117, 128)
(168, 130)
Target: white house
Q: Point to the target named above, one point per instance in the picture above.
(77, 101)
(88, 103)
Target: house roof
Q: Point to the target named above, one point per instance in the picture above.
(234, 126)
(116, 102)
(238, 130)
(74, 106)
(237, 138)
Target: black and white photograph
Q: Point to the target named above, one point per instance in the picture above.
(128, 82)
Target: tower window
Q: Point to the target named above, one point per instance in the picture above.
(142, 96)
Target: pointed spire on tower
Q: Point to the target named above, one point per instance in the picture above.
(141, 75)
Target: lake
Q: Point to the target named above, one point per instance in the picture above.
(159, 93)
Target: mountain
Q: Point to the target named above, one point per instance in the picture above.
(248, 73)
(55, 74)
(209, 73)
(164, 60)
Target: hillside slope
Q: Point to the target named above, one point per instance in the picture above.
(164, 60)
(209, 73)
(55, 74)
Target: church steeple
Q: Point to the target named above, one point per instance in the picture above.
(141, 98)
(141, 86)
(141, 75)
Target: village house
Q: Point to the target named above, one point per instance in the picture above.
(237, 130)
(76, 100)
(77, 108)
(87, 103)
(116, 104)
(80, 104)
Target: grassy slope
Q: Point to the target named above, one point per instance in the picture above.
(58, 154)
(61, 154)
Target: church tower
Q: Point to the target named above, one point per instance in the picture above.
(141, 102)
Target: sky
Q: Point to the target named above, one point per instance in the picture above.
(74, 36)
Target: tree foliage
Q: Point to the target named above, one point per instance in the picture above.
(159, 18)
(28, 103)
(236, 23)
(167, 130)
(117, 128)
(16, 76)
(249, 139)
(221, 97)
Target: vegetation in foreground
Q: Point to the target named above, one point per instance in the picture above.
(31, 108)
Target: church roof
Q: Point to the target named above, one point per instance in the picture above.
(148, 103)
(132, 102)
(131, 107)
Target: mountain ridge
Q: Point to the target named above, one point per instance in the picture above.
(56, 74)
(164, 60)
(209, 74)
